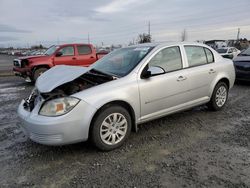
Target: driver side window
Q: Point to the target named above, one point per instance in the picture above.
(169, 59)
(67, 51)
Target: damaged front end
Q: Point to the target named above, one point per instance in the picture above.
(54, 91)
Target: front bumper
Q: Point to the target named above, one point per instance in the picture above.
(66, 129)
(22, 72)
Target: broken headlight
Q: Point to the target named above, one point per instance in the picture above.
(57, 107)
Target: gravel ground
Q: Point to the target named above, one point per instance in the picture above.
(195, 148)
(6, 65)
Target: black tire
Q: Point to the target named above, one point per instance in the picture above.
(37, 72)
(212, 104)
(96, 126)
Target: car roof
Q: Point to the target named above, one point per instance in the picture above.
(72, 44)
(162, 44)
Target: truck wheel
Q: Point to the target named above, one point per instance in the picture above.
(111, 128)
(219, 97)
(38, 72)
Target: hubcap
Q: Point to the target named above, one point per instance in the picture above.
(221, 96)
(113, 128)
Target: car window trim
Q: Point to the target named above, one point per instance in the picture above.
(205, 55)
(180, 57)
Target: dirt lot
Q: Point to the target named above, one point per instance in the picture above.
(6, 64)
(195, 148)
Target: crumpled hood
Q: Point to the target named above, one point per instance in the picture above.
(242, 58)
(57, 76)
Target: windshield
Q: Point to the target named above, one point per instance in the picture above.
(122, 61)
(221, 50)
(51, 50)
(246, 52)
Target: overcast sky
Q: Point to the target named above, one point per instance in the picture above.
(29, 22)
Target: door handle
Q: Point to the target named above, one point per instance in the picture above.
(181, 78)
(211, 71)
(91, 57)
(73, 58)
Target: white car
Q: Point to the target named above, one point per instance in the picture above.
(127, 87)
(228, 52)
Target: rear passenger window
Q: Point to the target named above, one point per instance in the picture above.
(169, 59)
(195, 55)
(210, 57)
(83, 50)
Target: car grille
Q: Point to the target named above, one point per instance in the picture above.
(17, 63)
(32, 100)
(45, 138)
(20, 63)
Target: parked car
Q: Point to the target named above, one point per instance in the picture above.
(31, 67)
(127, 87)
(242, 65)
(228, 52)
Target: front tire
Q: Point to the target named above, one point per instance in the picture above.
(38, 72)
(219, 97)
(110, 128)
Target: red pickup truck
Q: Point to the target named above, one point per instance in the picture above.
(31, 67)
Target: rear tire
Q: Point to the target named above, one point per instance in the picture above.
(219, 97)
(38, 72)
(110, 128)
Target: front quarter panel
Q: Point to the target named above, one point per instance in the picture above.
(43, 61)
(124, 89)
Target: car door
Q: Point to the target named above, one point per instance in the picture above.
(85, 55)
(161, 92)
(66, 57)
(201, 71)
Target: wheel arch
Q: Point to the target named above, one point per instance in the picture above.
(122, 103)
(40, 66)
(224, 79)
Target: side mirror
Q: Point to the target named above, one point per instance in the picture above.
(58, 54)
(152, 71)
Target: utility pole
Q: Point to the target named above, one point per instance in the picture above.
(88, 39)
(183, 35)
(238, 34)
(149, 28)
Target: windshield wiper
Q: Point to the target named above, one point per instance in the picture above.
(244, 54)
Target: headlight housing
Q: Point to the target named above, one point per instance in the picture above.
(58, 107)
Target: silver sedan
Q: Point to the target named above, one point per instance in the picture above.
(129, 86)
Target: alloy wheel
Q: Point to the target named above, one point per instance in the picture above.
(113, 128)
(221, 96)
